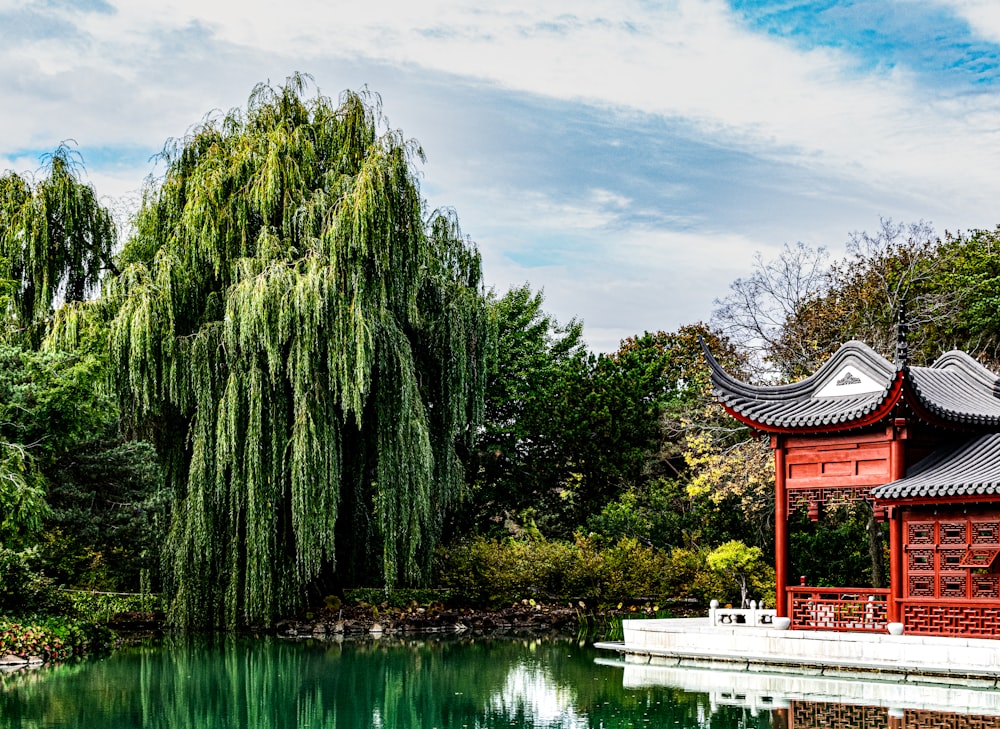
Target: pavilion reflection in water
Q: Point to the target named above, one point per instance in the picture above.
(803, 700)
(818, 715)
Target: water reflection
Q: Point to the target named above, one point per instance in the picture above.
(456, 684)
(266, 683)
(810, 700)
(812, 714)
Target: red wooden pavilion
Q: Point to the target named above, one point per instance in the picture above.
(922, 445)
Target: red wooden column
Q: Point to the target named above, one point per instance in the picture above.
(895, 562)
(897, 470)
(780, 528)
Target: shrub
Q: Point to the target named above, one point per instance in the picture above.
(102, 607)
(25, 590)
(491, 572)
(399, 598)
(53, 638)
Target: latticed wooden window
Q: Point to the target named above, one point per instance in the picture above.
(920, 533)
(953, 532)
(986, 532)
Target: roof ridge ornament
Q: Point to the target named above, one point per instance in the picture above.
(902, 345)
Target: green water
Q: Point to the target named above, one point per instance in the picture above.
(269, 684)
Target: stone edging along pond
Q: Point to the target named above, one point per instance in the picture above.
(525, 616)
(29, 643)
(10, 662)
(356, 621)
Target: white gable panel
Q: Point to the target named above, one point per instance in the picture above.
(849, 380)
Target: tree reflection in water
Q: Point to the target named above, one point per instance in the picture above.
(266, 683)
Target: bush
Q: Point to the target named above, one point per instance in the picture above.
(52, 639)
(399, 598)
(491, 572)
(24, 590)
(102, 607)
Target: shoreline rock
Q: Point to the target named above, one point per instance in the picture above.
(524, 617)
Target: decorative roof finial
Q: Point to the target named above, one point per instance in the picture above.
(902, 346)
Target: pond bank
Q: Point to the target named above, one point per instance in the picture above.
(434, 619)
(32, 642)
(526, 616)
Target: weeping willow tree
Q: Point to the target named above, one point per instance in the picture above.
(304, 347)
(56, 241)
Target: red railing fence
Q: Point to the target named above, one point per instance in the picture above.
(862, 609)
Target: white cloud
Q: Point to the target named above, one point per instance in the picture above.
(623, 281)
(687, 58)
(983, 16)
(149, 70)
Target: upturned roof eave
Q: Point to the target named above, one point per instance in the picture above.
(726, 383)
(883, 410)
(940, 414)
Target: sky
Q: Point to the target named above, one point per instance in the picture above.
(628, 158)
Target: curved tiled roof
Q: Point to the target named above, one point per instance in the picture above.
(958, 389)
(971, 469)
(857, 386)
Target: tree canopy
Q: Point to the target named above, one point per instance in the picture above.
(56, 241)
(305, 349)
(327, 386)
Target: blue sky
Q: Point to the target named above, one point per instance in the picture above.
(628, 157)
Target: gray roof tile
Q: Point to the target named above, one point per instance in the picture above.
(956, 389)
(970, 469)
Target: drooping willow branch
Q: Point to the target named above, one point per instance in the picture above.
(56, 242)
(293, 334)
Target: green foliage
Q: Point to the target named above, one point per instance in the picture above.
(833, 551)
(55, 242)
(109, 513)
(102, 607)
(24, 589)
(744, 566)
(658, 512)
(974, 273)
(45, 409)
(53, 639)
(92, 505)
(702, 479)
(398, 598)
(498, 572)
(305, 350)
(22, 495)
(522, 456)
(693, 578)
(737, 479)
(567, 433)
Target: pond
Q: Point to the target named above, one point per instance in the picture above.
(267, 683)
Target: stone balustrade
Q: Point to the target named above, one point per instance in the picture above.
(753, 616)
